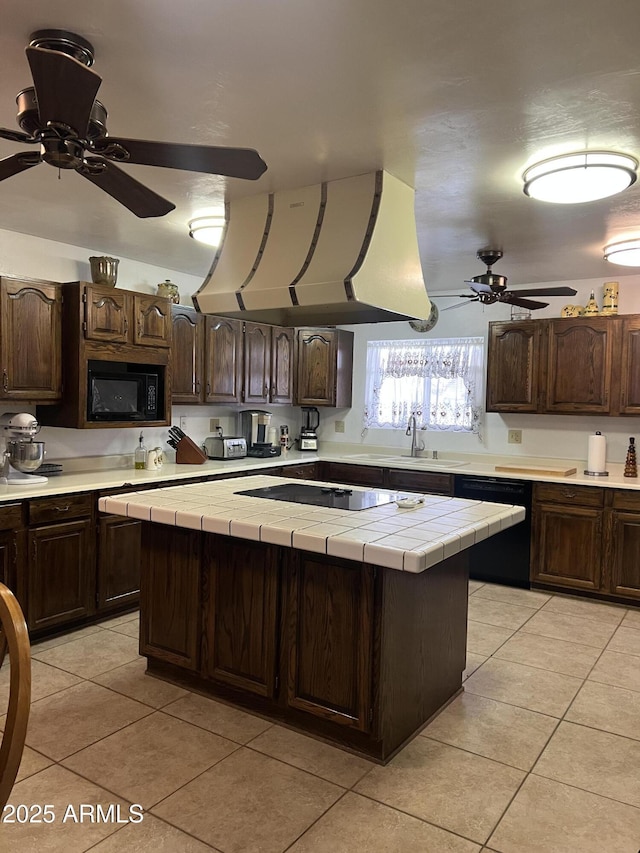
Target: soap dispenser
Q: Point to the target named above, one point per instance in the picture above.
(140, 455)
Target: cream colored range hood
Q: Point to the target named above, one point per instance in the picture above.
(340, 252)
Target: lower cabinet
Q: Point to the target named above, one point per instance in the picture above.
(11, 548)
(61, 583)
(118, 562)
(587, 539)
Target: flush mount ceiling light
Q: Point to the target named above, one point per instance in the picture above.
(626, 253)
(207, 229)
(583, 176)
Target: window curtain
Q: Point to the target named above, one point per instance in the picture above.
(438, 381)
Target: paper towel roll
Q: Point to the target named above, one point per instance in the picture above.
(597, 453)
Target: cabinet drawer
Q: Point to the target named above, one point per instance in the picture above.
(353, 475)
(420, 481)
(568, 494)
(304, 471)
(10, 516)
(623, 499)
(60, 508)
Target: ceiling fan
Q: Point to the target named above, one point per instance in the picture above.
(489, 288)
(61, 114)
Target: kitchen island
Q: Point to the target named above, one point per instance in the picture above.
(350, 625)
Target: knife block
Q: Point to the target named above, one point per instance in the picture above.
(188, 453)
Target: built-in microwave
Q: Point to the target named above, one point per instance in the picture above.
(118, 391)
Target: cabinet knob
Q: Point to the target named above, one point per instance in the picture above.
(569, 493)
(5, 379)
(62, 508)
(126, 326)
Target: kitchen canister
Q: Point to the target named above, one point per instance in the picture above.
(170, 290)
(610, 298)
(597, 456)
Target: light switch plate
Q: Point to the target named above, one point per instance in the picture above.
(515, 436)
(339, 426)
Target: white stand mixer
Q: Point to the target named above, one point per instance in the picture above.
(22, 454)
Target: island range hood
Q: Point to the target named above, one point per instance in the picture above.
(340, 252)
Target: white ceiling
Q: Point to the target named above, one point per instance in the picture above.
(455, 97)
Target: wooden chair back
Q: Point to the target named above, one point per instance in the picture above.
(14, 639)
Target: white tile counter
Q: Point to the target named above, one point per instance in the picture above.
(410, 540)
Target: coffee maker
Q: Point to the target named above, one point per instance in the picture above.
(310, 423)
(261, 437)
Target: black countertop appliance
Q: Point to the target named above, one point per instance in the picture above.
(503, 558)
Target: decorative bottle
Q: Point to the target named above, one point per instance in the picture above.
(591, 307)
(140, 456)
(631, 463)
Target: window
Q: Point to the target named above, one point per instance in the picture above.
(438, 381)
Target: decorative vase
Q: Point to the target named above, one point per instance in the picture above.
(104, 270)
(169, 290)
(591, 308)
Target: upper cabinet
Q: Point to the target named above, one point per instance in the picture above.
(220, 360)
(325, 367)
(121, 316)
(30, 340)
(565, 366)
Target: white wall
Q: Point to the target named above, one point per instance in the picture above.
(554, 436)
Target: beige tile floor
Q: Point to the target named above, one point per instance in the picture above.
(540, 754)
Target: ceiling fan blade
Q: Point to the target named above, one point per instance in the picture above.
(15, 135)
(65, 88)
(460, 304)
(512, 299)
(119, 185)
(17, 163)
(546, 291)
(232, 162)
(477, 287)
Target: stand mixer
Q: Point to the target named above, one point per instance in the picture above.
(22, 454)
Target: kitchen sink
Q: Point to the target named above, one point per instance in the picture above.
(422, 462)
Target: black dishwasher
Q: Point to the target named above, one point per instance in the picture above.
(503, 558)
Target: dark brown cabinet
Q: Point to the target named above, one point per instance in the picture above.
(118, 562)
(170, 595)
(425, 482)
(513, 366)
(622, 548)
(122, 316)
(30, 340)
(330, 609)
(324, 367)
(257, 363)
(282, 364)
(187, 356)
(580, 365)
(223, 360)
(241, 598)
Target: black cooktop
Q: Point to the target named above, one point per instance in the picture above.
(327, 496)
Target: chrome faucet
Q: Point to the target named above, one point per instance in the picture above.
(412, 428)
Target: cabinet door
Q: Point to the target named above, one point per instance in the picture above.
(330, 636)
(118, 570)
(623, 557)
(579, 365)
(282, 343)
(419, 481)
(630, 366)
(241, 585)
(316, 368)
(223, 360)
(8, 558)
(170, 595)
(187, 352)
(257, 363)
(61, 574)
(31, 340)
(513, 366)
(353, 475)
(107, 313)
(566, 544)
(152, 316)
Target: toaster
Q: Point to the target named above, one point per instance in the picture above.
(225, 447)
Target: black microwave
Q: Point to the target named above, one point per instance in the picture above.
(119, 392)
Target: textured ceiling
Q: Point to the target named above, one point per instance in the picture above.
(455, 98)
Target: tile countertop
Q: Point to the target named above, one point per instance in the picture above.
(410, 540)
(95, 474)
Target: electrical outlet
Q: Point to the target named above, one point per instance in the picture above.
(214, 423)
(339, 426)
(183, 422)
(515, 436)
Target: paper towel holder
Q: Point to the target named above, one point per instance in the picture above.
(596, 473)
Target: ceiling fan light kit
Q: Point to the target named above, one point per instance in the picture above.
(61, 115)
(207, 229)
(626, 253)
(580, 177)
